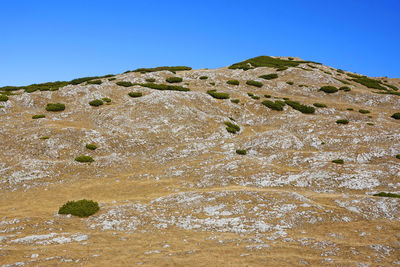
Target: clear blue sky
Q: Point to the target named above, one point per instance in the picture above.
(60, 40)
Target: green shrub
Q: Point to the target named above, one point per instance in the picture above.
(241, 151)
(174, 79)
(340, 71)
(285, 98)
(255, 97)
(350, 109)
(165, 87)
(236, 101)
(233, 82)
(277, 105)
(254, 83)
(171, 69)
(84, 159)
(300, 107)
(38, 116)
(106, 99)
(367, 82)
(342, 121)
(96, 102)
(150, 80)
(112, 79)
(388, 93)
(80, 208)
(203, 77)
(329, 89)
(135, 94)
(396, 116)
(364, 111)
(338, 161)
(44, 137)
(290, 83)
(302, 85)
(216, 95)
(212, 83)
(384, 194)
(94, 82)
(266, 61)
(370, 123)
(3, 98)
(398, 156)
(55, 107)
(392, 87)
(250, 94)
(91, 146)
(282, 68)
(342, 81)
(267, 96)
(319, 105)
(345, 88)
(124, 84)
(269, 76)
(231, 127)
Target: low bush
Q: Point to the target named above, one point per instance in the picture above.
(106, 99)
(329, 89)
(342, 121)
(212, 83)
(254, 83)
(231, 127)
(342, 81)
(171, 69)
(216, 95)
(174, 79)
(84, 159)
(150, 80)
(388, 93)
(135, 94)
(44, 137)
(300, 107)
(384, 194)
(282, 69)
(124, 84)
(392, 87)
(338, 161)
(91, 146)
(112, 79)
(40, 116)
(290, 83)
(255, 97)
(236, 101)
(94, 82)
(340, 71)
(241, 151)
(80, 208)
(3, 98)
(345, 88)
(350, 109)
(55, 107)
(233, 82)
(277, 105)
(267, 96)
(367, 82)
(203, 77)
(364, 111)
(96, 102)
(165, 87)
(398, 156)
(269, 76)
(396, 116)
(319, 105)
(266, 61)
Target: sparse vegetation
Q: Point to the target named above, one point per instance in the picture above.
(342, 81)
(91, 146)
(345, 88)
(217, 95)
(96, 102)
(124, 84)
(329, 89)
(368, 82)
(267, 96)
(364, 111)
(319, 105)
(266, 61)
(231, 127)
(40, 116)
(396, 116)
(83, 159)
(269, 76)
(171, 69)
(55, 107)
(338, 161)
(94, 82)
(300, 107)
(174, 79)
(3, 98)
(112, 79)
(398, 156)
(135, 94)
(290, 83)
(203, 77)
(241, 151)
(384, 194)
(233, 82)
(44, 137)
(342, 121)
(106, 99)
(81, 208)
(350, 109)
(277, 105)
(212, 83)
(254, 83)
(150, 80)
(340, 71)
(165, 87)
(236, 101)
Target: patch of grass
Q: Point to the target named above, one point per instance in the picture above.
(367, 82)
(350, 109)
(171, 69)
(174, 79)
(396, 116)
(212, 83)
(231, 127)
(40, 116)
(106, 99)
(319, 105)
(398, 156)
(327, 72)
(303, 85)
(340, 71)
(277, 105)
(150, 80)
(345, 88)
(233, 82)
(267, 96)
(342, 81)
(216, 95)
(85, 79)
(290, 83)
(236, 101)
(112, 79)
(300, 107)
(285, 98)
(266, 61)
(163, 87)
(384, 194)
(94, 82)
(96, 102)
(203, 77)
(342, 121)
(241, 151)
(338, 161)
(91, 146)
(81, 208)
(44, 137)
(282, 69)
(370, 123)
(328, 89)
(392, 87)
(84, 159)
(269, 76)
(55, 107)
(135, 94)
(3, 98)
(364, 111)
(388, 93)
(254, 83)
(124, 84)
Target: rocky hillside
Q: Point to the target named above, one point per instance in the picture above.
(271, 161)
